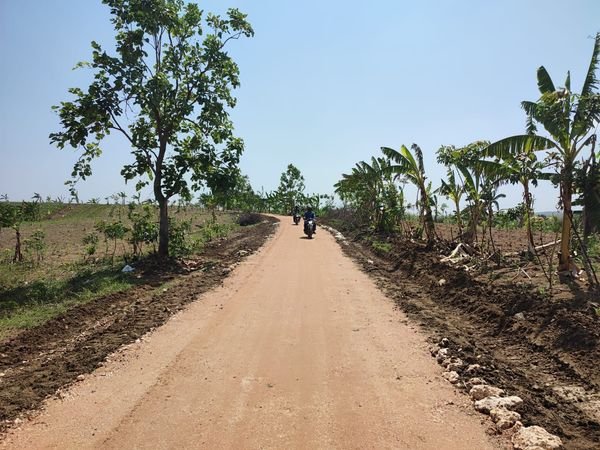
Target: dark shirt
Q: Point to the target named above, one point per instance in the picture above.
(309, 215)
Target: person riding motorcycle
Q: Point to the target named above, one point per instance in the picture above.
(308, 215)
(296, 214)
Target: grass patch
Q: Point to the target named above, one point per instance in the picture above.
(30, 304)
(382, 247)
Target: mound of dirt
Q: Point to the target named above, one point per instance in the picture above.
(538, 347)
(39, 361)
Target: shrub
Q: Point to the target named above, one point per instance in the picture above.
(178, 232)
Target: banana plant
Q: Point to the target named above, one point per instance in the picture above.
(364, 186)
(405, 164)
(454, 191)
(570, 121)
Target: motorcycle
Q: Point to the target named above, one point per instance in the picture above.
(296, 219)
(309, 227)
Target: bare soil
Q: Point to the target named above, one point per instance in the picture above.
(543, 348)
(37, 362)
(297, 349)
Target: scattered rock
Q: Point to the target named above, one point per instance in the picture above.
(504, 418)
(487, 404)
(80, 377)
(452, 377)
(454, 364)
(481, 391)
(571, 394)
(445, 342)
(441, 282)
(370, 261)
(442, 354)
(242, 253)
(535, 437)
(476, 380)
(519, 316)
(473, 368)
(434, 349)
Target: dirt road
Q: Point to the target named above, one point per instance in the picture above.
(298, 349)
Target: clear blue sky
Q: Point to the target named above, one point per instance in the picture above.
(325, 84)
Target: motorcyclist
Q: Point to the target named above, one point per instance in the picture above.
(308, 215)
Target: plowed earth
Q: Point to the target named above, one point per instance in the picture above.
(544, 349)
(38, 362)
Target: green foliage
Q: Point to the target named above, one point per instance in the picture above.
(179, 244)
(381, 247)
(90, 241)
(167, 90)
(113, 231)
(290, 191)
(403, 163)
(144, 228)
(570, 121)
(36, 245)
(28, 304)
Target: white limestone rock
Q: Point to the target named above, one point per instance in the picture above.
(487, 404)
(535, 437)
(481, 391)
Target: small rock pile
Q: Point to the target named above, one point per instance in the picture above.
(336, 234)
(492, 401)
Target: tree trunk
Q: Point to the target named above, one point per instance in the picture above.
(163, 230)
(428, 223)
(18, 257)
(566, 193)
(527, 199)
(458, 218)
(163, 203)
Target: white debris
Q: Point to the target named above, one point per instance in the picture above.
(504, 418)
(481, 391)
(487, 404)
(452, 377)
(442, 354)
(475, 381)
(535, 437)
(454, 364)
(127, 269)
(442, 281)
(473, 368)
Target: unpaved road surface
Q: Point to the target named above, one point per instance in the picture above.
(298, 349)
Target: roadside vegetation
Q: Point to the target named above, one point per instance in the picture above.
(54, 255)
(559, 146)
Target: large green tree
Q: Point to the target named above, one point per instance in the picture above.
(570, 120)
(291, 189)
(167, 89)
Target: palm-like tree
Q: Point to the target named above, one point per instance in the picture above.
(525, 169)
(454, 191)
(364, 186)
(570, 121)
(404, 164)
